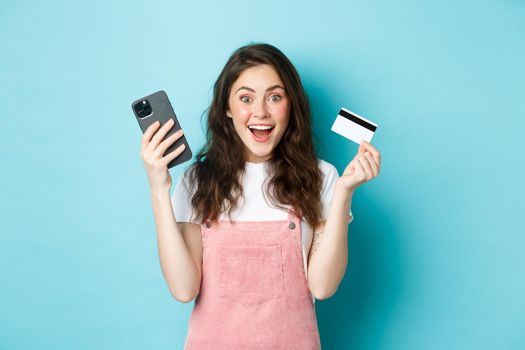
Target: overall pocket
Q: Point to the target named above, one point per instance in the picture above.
(251, 274)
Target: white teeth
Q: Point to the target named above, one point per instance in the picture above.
(260, 127)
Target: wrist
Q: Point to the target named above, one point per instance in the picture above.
(159, 193)
(346, 192)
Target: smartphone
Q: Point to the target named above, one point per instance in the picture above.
(155, 107)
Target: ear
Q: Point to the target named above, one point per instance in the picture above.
(228, 113)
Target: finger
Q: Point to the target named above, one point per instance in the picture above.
(360, 151)
(366, 166)
(349, 169)
(373, 150)
(373, 165)
(159, 135)
(174, 154)
(164, 145)
(148, 133)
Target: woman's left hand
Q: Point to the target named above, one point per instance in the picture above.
(363, 168)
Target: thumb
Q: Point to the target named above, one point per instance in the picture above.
(350, 168)
(362, 148)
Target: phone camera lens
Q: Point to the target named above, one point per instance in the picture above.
(143, 109)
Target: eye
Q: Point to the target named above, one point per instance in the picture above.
(245, 99)
(278, 98)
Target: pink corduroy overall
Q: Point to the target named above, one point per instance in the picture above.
(254, 293)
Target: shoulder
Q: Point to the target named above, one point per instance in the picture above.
(183, 181)
(330, 176)
(186, 174)
(181, 199)
(329, 171)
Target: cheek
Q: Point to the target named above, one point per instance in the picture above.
(281, 112)
(242, 112)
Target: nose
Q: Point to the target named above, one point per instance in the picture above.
(260, 109)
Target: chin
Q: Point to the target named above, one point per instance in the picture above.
(261, 155)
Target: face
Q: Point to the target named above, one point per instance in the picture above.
(259, 109)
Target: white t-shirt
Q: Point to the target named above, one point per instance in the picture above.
(254, 206)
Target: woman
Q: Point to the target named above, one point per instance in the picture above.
(256, 228)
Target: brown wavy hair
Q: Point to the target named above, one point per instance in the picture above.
(294, 175)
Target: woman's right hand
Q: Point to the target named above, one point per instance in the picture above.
(151, 152)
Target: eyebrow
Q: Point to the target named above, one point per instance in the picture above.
(270, 88)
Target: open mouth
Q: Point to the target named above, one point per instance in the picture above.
(261, 132)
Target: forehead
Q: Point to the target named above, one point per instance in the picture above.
(260, 76)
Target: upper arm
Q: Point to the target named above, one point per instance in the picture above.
(316, 240)
(191, 234)
(330, 176)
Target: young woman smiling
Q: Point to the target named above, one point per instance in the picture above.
(256, 228)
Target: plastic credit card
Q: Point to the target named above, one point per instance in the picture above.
(353, 126)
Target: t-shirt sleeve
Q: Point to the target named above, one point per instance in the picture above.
(327, 194)
(181, 200)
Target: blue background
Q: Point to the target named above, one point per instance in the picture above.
(436, 248)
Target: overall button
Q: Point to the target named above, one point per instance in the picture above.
(291, 225)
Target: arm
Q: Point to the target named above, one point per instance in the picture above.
(179, 245)
(327, 261)
(179, 248)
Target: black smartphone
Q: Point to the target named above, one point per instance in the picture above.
(155, 107)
